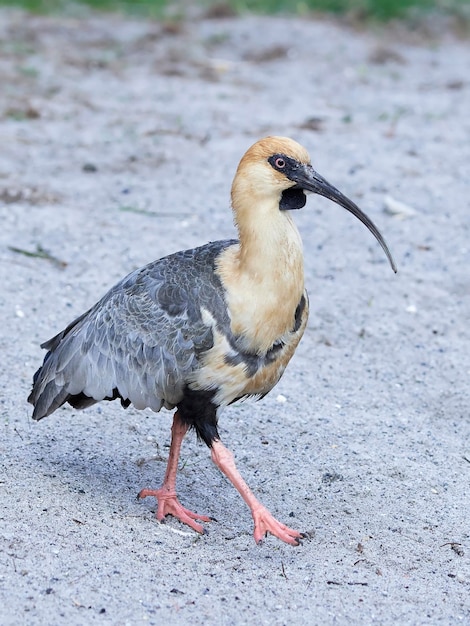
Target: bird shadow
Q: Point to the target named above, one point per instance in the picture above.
(113, 472)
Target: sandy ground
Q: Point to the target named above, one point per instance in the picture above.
(119, 140)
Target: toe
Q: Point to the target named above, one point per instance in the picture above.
(265, 523)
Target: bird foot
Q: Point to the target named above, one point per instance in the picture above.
(265, 523)
(168, 504)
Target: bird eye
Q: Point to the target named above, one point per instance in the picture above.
(280, 163)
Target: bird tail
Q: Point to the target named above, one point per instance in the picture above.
(50, 390)
(46, 395)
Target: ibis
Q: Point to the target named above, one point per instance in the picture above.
(202, 328)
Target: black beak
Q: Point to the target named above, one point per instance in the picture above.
(309, 180)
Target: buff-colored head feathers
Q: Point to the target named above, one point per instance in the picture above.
(256, 179)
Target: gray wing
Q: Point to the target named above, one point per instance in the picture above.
(141, 342)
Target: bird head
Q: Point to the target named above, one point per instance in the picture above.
(277, 172)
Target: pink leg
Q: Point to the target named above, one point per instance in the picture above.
(168, 503)
(264, 522)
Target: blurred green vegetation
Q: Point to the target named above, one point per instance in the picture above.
(375, 9)
(151, 8)
(368, 9)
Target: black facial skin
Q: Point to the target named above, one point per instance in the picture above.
(294, 197)
(285, 164)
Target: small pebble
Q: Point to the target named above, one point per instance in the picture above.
(90, 168)
(398, 209)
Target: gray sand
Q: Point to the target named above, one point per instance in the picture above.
(119, 140)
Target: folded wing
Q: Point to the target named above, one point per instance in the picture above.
(141, 342)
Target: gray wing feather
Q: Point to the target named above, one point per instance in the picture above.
(141, 340)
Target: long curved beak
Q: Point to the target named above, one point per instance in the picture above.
(309, 180)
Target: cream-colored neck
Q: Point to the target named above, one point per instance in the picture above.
(263, 275)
